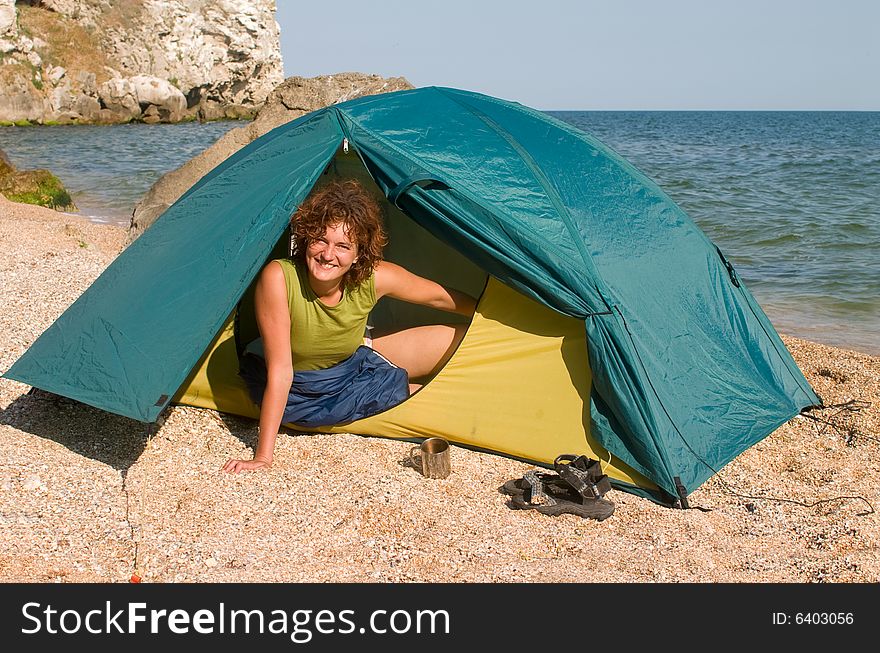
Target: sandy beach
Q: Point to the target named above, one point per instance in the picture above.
(86, 496)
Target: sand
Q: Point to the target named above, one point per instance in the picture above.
(86, 496)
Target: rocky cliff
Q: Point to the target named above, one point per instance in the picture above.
(292, 99)
(107, 61)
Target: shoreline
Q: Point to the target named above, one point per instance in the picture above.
(87, 496)
(108, 220)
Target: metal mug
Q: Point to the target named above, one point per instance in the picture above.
(434, 458)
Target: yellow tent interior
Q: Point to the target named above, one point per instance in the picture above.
(518, 384)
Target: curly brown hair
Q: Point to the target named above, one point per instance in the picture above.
(346, 202)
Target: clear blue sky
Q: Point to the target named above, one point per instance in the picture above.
(603, 54)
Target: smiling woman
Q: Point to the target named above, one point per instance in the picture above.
(314, 363)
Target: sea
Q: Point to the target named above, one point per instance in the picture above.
(792, 198)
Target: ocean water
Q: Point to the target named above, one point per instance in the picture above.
(792, 198)
(107, 169)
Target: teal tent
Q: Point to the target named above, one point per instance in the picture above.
(687, 371)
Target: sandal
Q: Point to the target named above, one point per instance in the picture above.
(521, 486)
(577, 490)
(583, 474)
(597, 509)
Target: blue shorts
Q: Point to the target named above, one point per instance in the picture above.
(363, 384)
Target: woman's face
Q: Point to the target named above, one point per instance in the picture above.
(330, 257)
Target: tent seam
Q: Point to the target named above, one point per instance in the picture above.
(458, 188)
(541, 178)
(405, 155)
(234, 160)
(660, 402)
(748, 299)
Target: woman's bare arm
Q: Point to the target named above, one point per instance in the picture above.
(394, 281)
(273, 320)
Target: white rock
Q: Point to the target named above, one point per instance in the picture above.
(8, 24)
(115, 90)
(55, 73)
(153, 90)
(118, 94)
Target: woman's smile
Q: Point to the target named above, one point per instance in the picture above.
(330, 257)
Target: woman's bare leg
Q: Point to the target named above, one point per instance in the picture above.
(422, 351)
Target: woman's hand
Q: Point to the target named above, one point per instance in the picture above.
(273, 320)
(234, 466)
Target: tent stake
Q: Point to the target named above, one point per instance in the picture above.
(682, 492)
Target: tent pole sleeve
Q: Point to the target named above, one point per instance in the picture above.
(409, 182)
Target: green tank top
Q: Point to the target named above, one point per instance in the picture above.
(321, 335)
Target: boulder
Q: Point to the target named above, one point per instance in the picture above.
(87, 107)
(19, 100)
(8, 24)
(119, 100)
(290, 100)
(167, 99)
(39, 187)
(87, 82)
(151, 115)
(144, 97)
